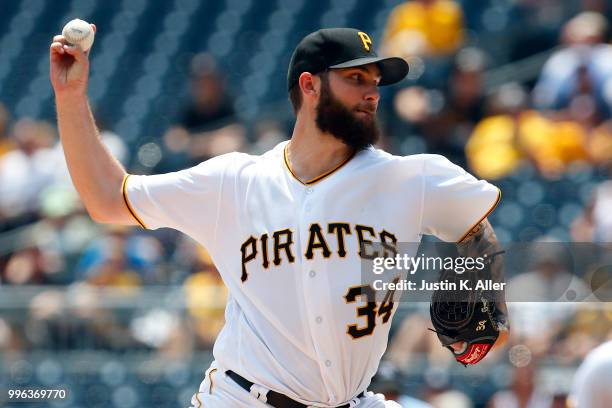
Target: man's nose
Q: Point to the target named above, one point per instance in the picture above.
(372, 94)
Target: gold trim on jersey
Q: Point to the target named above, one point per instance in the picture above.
(318, 178)
(464, 236)
(127, 202)
(211, 380)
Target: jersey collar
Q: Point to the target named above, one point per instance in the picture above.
(318, 178)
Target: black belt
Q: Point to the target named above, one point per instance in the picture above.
(273, 398)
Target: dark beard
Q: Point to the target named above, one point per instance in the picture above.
(335, 118)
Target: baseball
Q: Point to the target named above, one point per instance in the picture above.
(79, 32)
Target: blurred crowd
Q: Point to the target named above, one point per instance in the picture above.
(548, 109)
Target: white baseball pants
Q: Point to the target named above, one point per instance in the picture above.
(220, 391)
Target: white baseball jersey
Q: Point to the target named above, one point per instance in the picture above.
(298, 320)
(592, 383)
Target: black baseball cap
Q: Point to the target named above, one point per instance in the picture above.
(341, 48)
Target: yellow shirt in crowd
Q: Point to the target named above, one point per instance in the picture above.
(436, 28)
(500, 143)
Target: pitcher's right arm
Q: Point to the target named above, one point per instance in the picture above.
(95, 173)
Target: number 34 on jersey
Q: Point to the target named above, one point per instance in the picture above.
(278, 246)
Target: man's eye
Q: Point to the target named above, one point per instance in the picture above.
(356, 77)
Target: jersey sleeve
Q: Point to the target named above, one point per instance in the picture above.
(454, 201)
(189, 200)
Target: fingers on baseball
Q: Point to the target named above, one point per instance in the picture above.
(57, 45)
(57, 48)
(75, 51)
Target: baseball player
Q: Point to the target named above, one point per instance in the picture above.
(288, 229)
(592, 381)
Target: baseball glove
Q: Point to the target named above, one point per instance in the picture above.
(469, 316)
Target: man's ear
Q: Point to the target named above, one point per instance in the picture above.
(307, 83)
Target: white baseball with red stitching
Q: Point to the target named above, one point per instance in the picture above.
(79, 32)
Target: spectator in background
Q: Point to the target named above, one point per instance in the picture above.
(465, 91)
(445, 118)
(523, 392)
(493, 150)
(211, 106)
(595, 223)
(591, 325)
(579, 75)
(6, 144)
(574, 92)
(430, 28)
(206, 298)
(75, 319)
(543, 299)
(25, 170)
(63, 231)
(513, 135)
(27, 266)
(426, 33)
(535, 24)
(114, 270)
(43, 252)
(11, 342)
(207, 126)
(599, 145)
(138, 256)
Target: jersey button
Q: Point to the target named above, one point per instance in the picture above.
(312, 274)
(319, 319)
(307, 208)
(328, 363)
(309, 190)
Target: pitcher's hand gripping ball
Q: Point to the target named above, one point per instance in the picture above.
(468, 316)
(79, 32)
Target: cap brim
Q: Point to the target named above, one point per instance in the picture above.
(392, 69)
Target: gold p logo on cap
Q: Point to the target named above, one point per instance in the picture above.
(365, 39)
